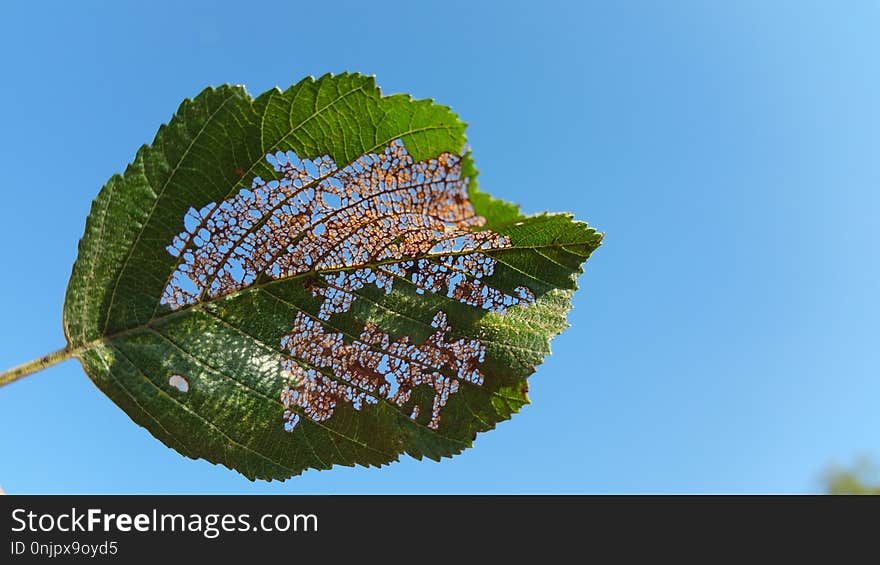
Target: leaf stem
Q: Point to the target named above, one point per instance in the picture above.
(38, 364)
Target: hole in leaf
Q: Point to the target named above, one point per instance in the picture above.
(178, 382)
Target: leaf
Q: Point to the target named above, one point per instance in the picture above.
(313, 278)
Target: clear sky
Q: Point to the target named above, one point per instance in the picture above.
(725, 337)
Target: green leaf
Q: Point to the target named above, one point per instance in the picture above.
(312, 278)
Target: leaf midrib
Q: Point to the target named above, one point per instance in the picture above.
(106, 338)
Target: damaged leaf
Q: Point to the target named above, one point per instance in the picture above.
(312, 278)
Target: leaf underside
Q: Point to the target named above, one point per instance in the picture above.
(312, 278)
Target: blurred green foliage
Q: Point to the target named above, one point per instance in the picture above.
(861, 478)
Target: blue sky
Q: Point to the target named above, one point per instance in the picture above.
(725, 337)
